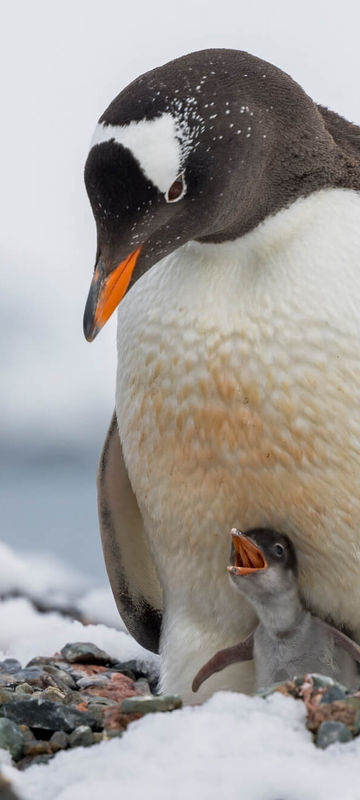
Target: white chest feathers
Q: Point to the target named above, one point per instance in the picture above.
(238, 399)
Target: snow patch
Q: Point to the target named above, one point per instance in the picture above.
(24, 633)
(41, 577)
(233, 746)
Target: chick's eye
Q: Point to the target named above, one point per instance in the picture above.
(278, 549)
(177, 189)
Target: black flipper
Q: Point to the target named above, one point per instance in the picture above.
(128, 560)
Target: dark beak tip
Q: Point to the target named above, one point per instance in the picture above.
(90, 330)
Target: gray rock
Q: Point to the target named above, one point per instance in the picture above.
(54, 694)
(28, 734)
(47, 715)
(84, 653)
(98, 700)
(96, 711)
(60, 676)
(320, 681)
(28, 761)
(37, 747)
(33, 675)
(143, 686)
(81, 737)
(127, 668)
(6, 696)
(39, 661)
(72, 698)
(10, 665)
(59, 741)
(137, 668)
(11, 738)
(149, 671)
(101, 680)
(149, 705)
(113, 733)
(331, 694)
(24, 688)
(331, 732)
(8, 680)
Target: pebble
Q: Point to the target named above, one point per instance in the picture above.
(27, 734)
(24, 688)
(95, 680)
(85, 653)
(52, 693)
(138, 668)
(72, 699)
(30, 675)
(10, 665)
(59, 741)
(332, 693)
(148, 705)
(97, 700)
(81, 737)
(143, 686)
(36, 747)
(28, 761)
(7, 679)
(6, 696)
(113, 733)
(321, 681)
(127, 668)
(47, 715)
(331, 732)
(60, 675)
(11, 738)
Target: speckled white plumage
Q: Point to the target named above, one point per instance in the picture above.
(238, 404)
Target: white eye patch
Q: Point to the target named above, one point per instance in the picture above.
(154, 144)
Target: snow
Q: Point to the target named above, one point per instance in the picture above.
(45, 579)
(233, 746)
(42, 578)
(98, 605)
(25, 633)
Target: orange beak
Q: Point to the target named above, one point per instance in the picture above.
(248, 557)
(105, 293)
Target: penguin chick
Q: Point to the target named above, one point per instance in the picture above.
(288, 640)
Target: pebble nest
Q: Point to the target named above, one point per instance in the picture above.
(81, 696)
(75, 698)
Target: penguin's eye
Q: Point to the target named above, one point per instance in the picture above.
(278, 549)
(177, 189)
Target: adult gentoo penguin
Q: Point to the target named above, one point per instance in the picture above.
(227, 210)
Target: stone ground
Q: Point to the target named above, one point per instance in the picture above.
(81, 696)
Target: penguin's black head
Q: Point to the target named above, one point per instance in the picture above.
(190, 151)
(260, 550)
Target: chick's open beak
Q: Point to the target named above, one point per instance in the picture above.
(248, 557)
(105, 293)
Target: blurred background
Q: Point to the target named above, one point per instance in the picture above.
(62, 63)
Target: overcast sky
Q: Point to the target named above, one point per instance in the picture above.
(62, 64)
